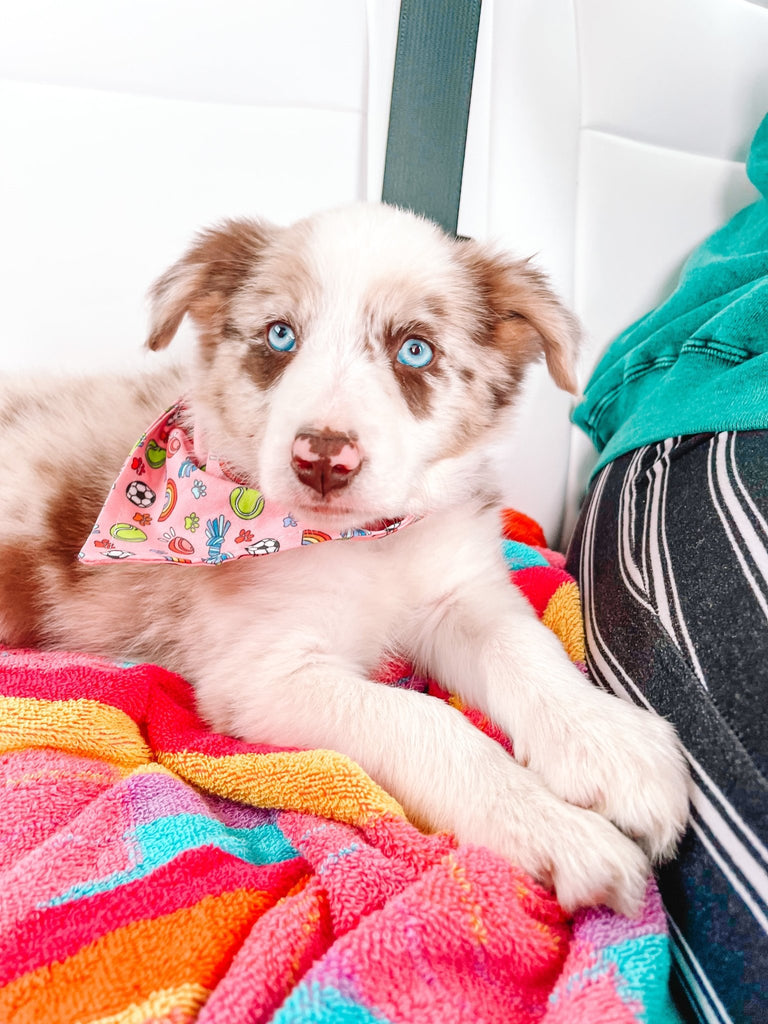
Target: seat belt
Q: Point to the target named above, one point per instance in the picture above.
(431, 90)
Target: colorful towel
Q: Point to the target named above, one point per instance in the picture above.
(153, 871)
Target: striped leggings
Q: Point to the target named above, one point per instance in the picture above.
(671, 552)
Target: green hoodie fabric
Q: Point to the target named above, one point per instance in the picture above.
(699, 362)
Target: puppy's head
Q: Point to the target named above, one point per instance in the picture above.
(357, 364)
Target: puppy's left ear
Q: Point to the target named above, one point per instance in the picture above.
(527, 319)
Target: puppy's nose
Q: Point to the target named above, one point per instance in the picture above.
(325, 460)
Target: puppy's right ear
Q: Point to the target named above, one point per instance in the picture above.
(203, 280)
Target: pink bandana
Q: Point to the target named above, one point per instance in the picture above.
(167, 507)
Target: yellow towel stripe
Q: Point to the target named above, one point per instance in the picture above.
(180, 1005)
(563, 616)
(84, 727)
(311, 781)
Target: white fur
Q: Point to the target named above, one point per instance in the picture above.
(279, 647)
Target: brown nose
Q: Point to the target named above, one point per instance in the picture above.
(325, 460)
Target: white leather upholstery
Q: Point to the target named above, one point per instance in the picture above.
(606, 138)
(125, 127)
(609, 140)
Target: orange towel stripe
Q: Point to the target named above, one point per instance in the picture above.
(193, 946)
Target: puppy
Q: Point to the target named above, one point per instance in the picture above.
(352, 374)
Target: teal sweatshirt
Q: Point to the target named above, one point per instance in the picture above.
(699, 362)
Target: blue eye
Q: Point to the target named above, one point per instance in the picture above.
(281, 338)
(416, 353)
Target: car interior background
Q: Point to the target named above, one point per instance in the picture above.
(605, 140)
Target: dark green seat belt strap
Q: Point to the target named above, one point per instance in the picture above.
(432, 86)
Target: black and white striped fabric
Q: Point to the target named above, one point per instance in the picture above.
(671, 552)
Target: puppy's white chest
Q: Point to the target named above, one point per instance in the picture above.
(341, 598)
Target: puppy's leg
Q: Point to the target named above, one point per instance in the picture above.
(590, 748)
(444, 772)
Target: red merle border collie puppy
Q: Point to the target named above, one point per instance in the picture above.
(352, 374)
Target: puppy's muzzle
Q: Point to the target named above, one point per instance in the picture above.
(325, 460)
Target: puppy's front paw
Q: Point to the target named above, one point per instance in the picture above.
(593, 863)
(577, 852)
(626, 764)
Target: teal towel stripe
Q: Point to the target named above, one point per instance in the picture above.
(159, 841)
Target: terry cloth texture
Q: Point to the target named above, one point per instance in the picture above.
(671, 553)
(153, 871)
(699, 362)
